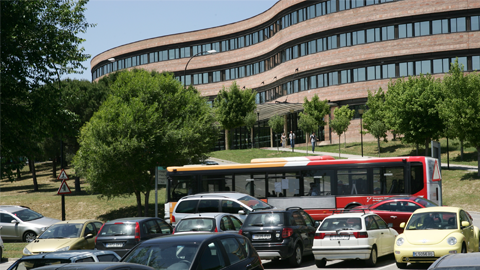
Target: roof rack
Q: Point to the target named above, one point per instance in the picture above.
(349, 211)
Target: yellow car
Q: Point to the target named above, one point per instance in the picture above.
(65, 235)
(433, 232)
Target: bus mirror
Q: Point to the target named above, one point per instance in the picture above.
(402, 225)
(241, 212)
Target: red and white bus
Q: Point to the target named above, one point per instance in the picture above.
(317, 184)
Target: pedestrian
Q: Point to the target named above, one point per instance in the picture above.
(313, 140)
(284, 140)
(292, 139)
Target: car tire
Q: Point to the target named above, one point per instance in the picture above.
(464, 249)
(29, 236)
(296, 259)
(401, 265)
(370, 262)
(321, 263)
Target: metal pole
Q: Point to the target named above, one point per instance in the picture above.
(156, 191)
(258, 131)
(185, 71)
(361, 132)
(63, 207)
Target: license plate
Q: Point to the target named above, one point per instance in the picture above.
(261, 236)
(424, 254)
(114, 245)
(339, 237)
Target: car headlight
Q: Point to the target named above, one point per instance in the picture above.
(452, 241)
(63, 249)
(26, 251)
(400, 241)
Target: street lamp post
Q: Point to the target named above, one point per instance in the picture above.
(185, 72)
(258, 131)
(292, 142)
(360, 111)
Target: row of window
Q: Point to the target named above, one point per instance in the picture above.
(377, 72)
(292, 18)
(379, 34)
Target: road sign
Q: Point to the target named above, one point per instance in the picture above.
(63, 175)
(64, 189)
(437, 176)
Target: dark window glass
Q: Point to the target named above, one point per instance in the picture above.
(436, 27)
(370, 223)
(475, 23)
(320, 45)
(88, 259)
(476, 62)
(211, 258)
(303, 49)
(370, 35)
(445, 24)
(370, 73)
(437, 66)
(107, 258)
(381, 224)
(333, 78)
(402, 31)
(313, 82)
(361, 36)
(234, 252)
(205, 206)
(320, 80)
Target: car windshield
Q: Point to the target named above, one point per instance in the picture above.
(196, 224)
(117, 229)
(27, 215)
(334, 224)
(65, 230)
(255, 203)
(265, 219)
(164, 255)
(425, 202)
(433, 221)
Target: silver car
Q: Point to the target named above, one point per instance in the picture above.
(21, 223)
(208, 222)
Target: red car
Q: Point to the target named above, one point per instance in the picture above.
(396, 210)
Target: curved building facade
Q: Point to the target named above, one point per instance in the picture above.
(337, 49)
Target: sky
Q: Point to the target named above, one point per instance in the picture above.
(119, 22)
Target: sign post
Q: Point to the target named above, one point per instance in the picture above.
(64, 189)
(160, 179)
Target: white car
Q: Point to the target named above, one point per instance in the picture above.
(353, 236)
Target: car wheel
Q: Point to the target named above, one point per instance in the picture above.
(401, 265)
(296, 259)
(370, 262)
(321, 263)
(464, 249)
(29, 236)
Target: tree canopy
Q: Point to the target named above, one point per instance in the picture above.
(149, 120)
(339, 123)
(308, 124)
(374, 119)
(277, 123)
(317, 109)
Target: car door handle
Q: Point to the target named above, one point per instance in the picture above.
(394, 217)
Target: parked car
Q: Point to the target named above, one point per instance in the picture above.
(396, 210)
(65, 235)
(120, 235)
(433, 232)
(200, 251)
(462, 261)
(208, 222)
(70, 256)
(2, 247)
(281, 233)
(96, 266)
(238, 204)
(22, 223)
(353, 236)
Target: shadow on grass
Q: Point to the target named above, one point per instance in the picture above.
(466, 157)
(131, 211)
(471, 176)
(28, 188)
(394, 148)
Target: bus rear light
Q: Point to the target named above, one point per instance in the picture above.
(319, 236)
(360, 234)
(287, 232)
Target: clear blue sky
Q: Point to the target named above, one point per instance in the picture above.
(124, 21)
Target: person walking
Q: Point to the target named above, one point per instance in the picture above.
(284, 140)
(313, 140)
(292, 139)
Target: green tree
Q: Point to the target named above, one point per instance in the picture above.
(461, 107)
(308, 124)
(348, 113)
(317, 109)
(232, 105)
(277, 123)
(149, 120)
(374, 118)
(339, 124)
(250, 121)
(412, 109)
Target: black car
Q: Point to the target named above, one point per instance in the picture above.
(460, 261)
(200, 251)
(96, 266)
(120, 235)
(281, 234)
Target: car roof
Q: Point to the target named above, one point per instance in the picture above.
(205, 215)
(197, 237)
(233, 195)
(277, 210)
(461, 259)
(96, 265)
(12, 208)
(69, 254)
(130, 219)
(438, 209)
(77, 221)
(350, 215)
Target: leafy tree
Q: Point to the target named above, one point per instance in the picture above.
(317, 109)
(412, 109)
(374, 118)
(461, 107)
(339, 124)
(232, 106)
(250, 121)
(344, 111)
(308, 124)
(149, 120)
(276, 123)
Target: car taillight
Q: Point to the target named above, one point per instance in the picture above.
(287, 232)
(98, 233)
(137, 231)
(319, 235)
(118, 223)
(240, 232)
(360, 234)
(173, 218)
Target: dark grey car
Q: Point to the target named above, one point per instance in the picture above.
(120, 235)
(461, 261)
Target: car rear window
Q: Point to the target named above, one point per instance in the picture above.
(124, 229)
(107, 258)
(265, 219)
(189, 206)
(196, 224)
(332, 224)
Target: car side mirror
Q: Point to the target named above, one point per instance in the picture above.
(390, 225)
(88, 236)
(402, 225)
(14, 221)
(317, 223)
(465, 223)
(241, 212)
